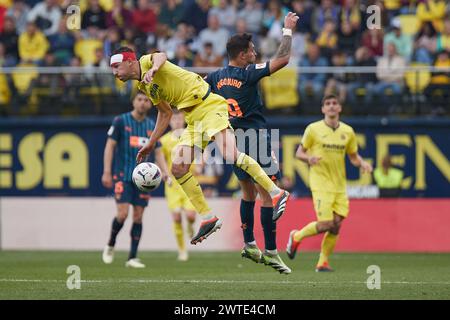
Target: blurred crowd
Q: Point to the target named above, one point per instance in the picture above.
(193, 33)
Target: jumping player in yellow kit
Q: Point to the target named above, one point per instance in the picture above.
(206, 114)
(177, 201)
(324, 146)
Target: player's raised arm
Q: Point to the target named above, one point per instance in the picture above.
(158, 59)
(283, 54)
(162, 122)
(359, 162)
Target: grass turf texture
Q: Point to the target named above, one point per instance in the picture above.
(42, 275)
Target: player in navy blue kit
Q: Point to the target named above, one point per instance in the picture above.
(127, 134)
(238, 83)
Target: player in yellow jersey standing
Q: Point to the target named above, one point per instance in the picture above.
(177, 200)
(324, 146)
(206, 115)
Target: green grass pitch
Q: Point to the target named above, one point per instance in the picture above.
(221, 275)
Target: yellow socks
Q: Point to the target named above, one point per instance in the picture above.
(194, 192)
(307, 231)
(328, 244)
(252, 167)
(178, 230)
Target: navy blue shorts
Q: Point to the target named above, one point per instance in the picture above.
(126, 192)
(257, 144)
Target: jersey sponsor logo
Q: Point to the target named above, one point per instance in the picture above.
(333, 147)
(260, 65)
(138, 142)
(229, 82)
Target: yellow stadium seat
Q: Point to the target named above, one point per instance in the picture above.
(6, 3)
(22, 80)
(360, 92)
(410, 24)
(85, 50)
(280, 89)
(5, 93)
(417, 81)
(107, 5)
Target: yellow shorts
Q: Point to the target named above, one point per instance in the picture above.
(205, 121)
(325, 203)
(177, 200)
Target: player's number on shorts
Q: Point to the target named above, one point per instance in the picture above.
(118, 187)
(233, 108)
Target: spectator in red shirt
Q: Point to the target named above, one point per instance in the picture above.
(119, 17)
(144, 17)
(373, 41)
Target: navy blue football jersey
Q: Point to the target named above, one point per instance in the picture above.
(130, 135)
(240, 87)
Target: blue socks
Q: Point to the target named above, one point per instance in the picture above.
(269, 228)
(247, 219)
(116, 226)
(136, 231)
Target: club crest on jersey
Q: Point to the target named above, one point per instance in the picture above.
(342, 136)
(154, 91)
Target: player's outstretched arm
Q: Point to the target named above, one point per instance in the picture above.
(358, 161)
(162, 122)
(107, 163)
(283, 54)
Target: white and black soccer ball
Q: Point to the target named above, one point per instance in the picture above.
(147, 176)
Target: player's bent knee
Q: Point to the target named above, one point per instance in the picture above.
(122, 216)
(176, 218)
(335, 230)
(179, 170)
(137, 220)
(191, 216)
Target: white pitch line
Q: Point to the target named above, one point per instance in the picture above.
(224, 281)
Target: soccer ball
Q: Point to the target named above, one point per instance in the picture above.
(146, 176)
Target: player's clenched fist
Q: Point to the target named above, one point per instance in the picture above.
(290, 20)
(314, 160)
(366, 167)
(148, 77)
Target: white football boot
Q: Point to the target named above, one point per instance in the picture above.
(134, 263)
(183, 256)
(108, 254)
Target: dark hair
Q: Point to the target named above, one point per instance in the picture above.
(237, 44)
(138, 93)
(122, 49)
(328, 97)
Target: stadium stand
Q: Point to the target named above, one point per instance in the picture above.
(192, 33)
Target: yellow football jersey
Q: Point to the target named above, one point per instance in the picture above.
(332, 145)
(179, 87)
